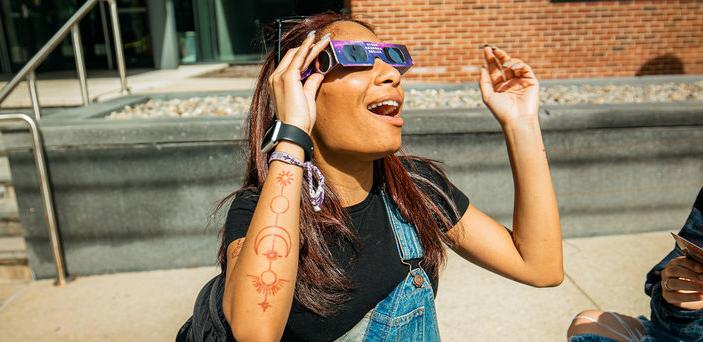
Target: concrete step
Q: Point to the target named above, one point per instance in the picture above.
(13, 260)
(5, 176)
(8, 209)
(13, 273)
(10, 229)
(9, 216)
(12, 249)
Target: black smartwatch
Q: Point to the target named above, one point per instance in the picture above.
(280, 131)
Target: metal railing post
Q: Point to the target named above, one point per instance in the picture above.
(106, 36)
(40, 161)
(41, 55)
(80, 62)
(119, 53)
(27, 71)
(33, 95)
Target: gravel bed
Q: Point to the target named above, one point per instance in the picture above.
(430, 99)
(185, 108)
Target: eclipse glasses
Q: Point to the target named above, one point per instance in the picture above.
(348, 53)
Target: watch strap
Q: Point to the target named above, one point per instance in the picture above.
(281, 131)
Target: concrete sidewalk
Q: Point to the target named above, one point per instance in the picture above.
(473, 304)
(61, 89)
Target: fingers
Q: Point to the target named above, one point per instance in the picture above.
(296, 64)
(299, 58)
(509, 85)
(676, 284)
(521, 69)
(682, 283)
(495, 69)
(678, 271)
(501, 55)
(312, 84)
(485, 83)
(689, 301)
(503, 68)
(504, 60)
(681, 274)
(285, 61)
(275, 76)
(683, 262)
(315, 50)
(288, 59)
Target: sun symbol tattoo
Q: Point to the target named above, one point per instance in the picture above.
(267, 284)
(285, 178)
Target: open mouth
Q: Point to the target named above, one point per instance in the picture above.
(385, 108)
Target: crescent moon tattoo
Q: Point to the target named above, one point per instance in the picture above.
(274, 233)
(268, 283)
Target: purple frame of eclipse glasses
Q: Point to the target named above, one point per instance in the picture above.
(349, 53)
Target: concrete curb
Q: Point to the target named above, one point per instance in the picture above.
(77, 128)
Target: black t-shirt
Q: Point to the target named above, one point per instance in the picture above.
(376, 271)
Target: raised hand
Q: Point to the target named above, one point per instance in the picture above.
(682, 283)
(508, 86)
(295, 102)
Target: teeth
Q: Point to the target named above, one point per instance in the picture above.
(387, 103)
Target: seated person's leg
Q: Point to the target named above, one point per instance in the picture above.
(607, 324)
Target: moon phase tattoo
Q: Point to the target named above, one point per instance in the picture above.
(273, 242)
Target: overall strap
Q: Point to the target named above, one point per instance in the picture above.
(406, 238)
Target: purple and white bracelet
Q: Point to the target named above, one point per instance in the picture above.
(317, 193)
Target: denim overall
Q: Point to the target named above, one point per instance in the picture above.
(408, 312)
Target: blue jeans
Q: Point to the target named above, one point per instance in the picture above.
(669, 323)
(408, 312)
(652, 333)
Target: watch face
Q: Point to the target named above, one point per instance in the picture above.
(271, 137)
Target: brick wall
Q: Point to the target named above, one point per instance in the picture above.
(559, 39)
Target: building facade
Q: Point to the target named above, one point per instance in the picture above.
(559, 38)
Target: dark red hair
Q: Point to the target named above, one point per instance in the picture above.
(322, 285)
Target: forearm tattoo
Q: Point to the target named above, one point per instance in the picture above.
(237, 248)
(273, 242)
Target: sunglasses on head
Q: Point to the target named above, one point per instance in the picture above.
(348, 53)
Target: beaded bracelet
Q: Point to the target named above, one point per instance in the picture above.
(317, 193)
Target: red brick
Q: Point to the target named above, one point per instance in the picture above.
(572, 39)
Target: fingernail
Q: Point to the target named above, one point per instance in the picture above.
(326, 36)
(506, 64)
(311, 34)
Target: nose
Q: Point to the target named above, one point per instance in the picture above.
(385, 73)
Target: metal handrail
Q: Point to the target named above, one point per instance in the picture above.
(40, 161)
(28, 71)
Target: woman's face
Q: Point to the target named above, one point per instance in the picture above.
(349, 120)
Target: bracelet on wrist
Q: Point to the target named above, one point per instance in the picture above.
(315, 179)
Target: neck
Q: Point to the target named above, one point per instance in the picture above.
(352, 179)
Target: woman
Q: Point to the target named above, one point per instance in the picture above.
(675, 286)
(366, 265)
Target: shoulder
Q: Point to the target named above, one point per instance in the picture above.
(426, 173)
(431, 179)
(244, 199)
(240, 213)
